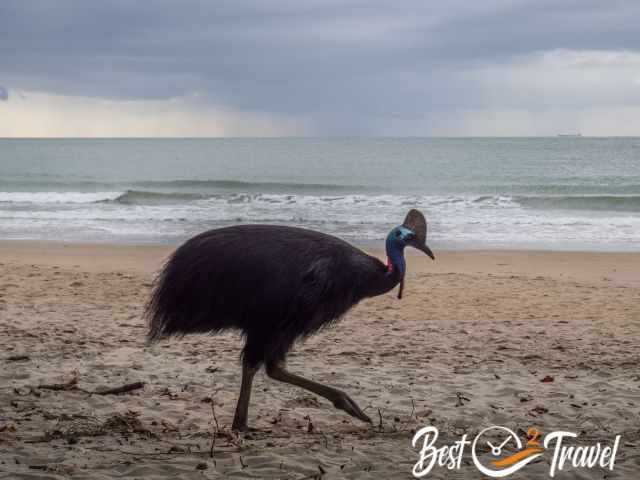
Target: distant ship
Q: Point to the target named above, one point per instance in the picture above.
(573, 135)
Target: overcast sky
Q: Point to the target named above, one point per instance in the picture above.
(311, 67)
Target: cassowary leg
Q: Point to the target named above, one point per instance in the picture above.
(340, 400)
(242, 408)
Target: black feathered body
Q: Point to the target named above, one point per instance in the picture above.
(273, 283)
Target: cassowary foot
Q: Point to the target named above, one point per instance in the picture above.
(344, 402)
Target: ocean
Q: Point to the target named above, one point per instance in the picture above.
(548, 193)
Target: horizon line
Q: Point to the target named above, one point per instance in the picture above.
(322, 137)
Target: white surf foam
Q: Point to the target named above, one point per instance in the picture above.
(57, 197)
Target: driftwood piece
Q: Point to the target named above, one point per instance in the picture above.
(70, 385)
(118, 390)
(18, 358)
(73, 385)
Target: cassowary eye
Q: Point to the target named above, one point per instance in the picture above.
(398, 233)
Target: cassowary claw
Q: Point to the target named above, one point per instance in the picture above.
(343, 402)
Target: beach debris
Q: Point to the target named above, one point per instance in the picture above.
(524, 397)
(540, 410)
(310, 426)
(462, 370)
(168, 393)
(461, 399)
(547, 379)
(18, 358)
(216, 430)
(90, 426)
(24, 391)
(167, 426)
(72, 384)
(118, 390)
(202, 466)
(59, 468)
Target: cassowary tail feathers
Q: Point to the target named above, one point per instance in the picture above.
(165, 309)
(155, 315)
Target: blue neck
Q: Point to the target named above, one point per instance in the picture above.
(395, 253)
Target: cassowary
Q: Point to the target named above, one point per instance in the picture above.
(276, 285)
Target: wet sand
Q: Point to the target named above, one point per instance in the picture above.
(468, 347)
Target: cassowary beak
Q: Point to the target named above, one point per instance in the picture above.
(417, 244)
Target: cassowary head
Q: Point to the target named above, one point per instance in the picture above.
(412, 233)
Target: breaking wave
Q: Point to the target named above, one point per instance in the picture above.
(57, 197)
(613, 203)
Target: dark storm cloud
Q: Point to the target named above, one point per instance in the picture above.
(4, 94)
(339, 61)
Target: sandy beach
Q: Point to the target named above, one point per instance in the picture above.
(512, 338)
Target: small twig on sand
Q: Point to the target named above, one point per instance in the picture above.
(169, 454)
(214, 436)
(380, 417)
(118, 390)
(310, 426)
(70, 385)
(73, 385)
(217, 429)
(461, 399)
(413, 410)
(18, 358)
